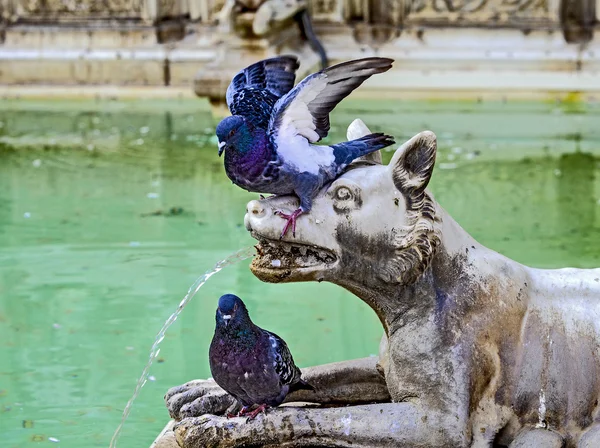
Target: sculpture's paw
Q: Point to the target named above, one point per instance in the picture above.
(208, 431)
(278, 426)
(196, 398)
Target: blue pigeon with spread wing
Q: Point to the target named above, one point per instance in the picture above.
(269, 138)
(253, 365)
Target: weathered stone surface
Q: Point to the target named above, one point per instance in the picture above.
(591, 438)
(166, 439)
(539, 438)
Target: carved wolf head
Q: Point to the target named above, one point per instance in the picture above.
(373, 224)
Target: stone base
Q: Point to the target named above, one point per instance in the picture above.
(166, 438)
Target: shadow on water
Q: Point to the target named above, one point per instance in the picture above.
(576, 178)
(577, 203)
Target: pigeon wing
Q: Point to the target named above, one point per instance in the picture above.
(254, 90)
(305, 110)
(284, 364)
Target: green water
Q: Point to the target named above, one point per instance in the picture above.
(110, 210)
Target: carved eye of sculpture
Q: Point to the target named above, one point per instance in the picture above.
(343, 194)
(346, 196)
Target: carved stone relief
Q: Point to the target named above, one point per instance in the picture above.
(452, 12)
(326, 10)
(373, 21)
(79, 8)
(578, 19)
(204, 11)
(76, 10)
(171, 8)
(396, 13)
(468, 12)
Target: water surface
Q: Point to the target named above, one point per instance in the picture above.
(110, 210)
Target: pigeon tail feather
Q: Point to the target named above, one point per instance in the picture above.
(346, 152)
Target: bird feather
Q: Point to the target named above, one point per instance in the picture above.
(254, 90)
(305, 109)
(284, 363)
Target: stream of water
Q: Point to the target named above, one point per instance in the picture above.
(236, 257)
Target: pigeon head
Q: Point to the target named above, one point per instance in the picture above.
(234, 133)
(231, 311)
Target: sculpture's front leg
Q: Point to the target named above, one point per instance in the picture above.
(347, 382)
(198, 397)
(376, 425)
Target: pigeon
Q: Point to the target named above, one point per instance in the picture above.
(269, 138)
(253, 365)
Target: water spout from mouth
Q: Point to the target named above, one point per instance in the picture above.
(236, 257)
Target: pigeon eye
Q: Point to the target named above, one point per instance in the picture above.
(231, 133)
(343, 194)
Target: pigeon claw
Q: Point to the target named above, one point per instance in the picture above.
(291, 221)
(252, 415)
(243, 411)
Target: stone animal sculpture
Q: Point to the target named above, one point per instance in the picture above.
(253, 365)
(269, 138)
(478, 350)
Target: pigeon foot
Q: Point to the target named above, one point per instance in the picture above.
(291, 221)
(242, 411)
(252, 415)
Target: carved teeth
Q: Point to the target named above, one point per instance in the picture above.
(278, 254)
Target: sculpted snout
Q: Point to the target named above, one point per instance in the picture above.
(261, 218)
(254, 209)
(314, 229)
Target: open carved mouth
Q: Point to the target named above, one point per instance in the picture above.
(284, 255)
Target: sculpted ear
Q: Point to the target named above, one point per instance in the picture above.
(413, 162)
(358, 129)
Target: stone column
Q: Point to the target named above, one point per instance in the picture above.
(578, 20)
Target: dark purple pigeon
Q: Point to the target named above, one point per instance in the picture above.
(253, 365)
(268, 140)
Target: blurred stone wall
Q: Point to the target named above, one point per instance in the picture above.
(397, 13)
(167, 42)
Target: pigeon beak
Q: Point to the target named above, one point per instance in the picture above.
(221, 148)
(226, 318)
